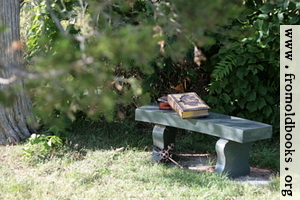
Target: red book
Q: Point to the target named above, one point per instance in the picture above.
(164, 106)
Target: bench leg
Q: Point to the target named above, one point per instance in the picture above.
(233, 158)
(162, 137)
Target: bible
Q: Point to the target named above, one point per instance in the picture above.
(188, 105)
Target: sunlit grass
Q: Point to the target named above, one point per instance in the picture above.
(93, 166)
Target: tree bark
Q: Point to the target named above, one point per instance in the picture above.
(14, 124)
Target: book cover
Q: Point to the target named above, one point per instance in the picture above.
(163, 99)
(188, 105)
(163, 103)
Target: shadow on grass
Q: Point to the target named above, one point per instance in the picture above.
(129, 134)
(96, 135)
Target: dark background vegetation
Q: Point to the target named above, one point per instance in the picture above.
(106, 59)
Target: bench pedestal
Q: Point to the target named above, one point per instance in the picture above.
(162, 137)
(232, 157)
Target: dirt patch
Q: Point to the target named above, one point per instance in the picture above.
(260, 173)
(206, 163)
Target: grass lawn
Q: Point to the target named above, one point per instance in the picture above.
(90, 166)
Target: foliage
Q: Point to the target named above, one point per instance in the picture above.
(92, 56)
(41, 147)
(246, 69)
(82, 52)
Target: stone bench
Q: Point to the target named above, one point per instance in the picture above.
(236, 135)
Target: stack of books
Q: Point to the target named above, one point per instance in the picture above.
(163, 103)
(187, 105)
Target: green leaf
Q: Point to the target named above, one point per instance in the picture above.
(213, 100)
(267, 111)
(260, 67)
(265, 28)
(253, 49)
(251, 106)
(263, 16)
(241, 102)
(215, 88)
(226, 97)
(294, 19)
(267, 8)
(243, 83)
(291, 5)
(258, 24)
(240, 73)
(253, 78)
(262, 90)
(280, 17)
(260, 56)
(229, 108)
(241, 61)
(255, 71)
(285, 5)
(269, 99)
(259, 36)
(237, 91)
(261, 103)
(220, 109)
(252, 96)
(245, 91)
(46, 146)
(252, 60)
(297, 5)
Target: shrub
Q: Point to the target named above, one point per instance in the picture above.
(41, 147)
(246, 69)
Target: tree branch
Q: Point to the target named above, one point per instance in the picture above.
(55, 18)
(9, 80)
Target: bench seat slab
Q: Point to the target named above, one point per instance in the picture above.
(222, 126)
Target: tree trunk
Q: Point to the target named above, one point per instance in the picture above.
(14, 126)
